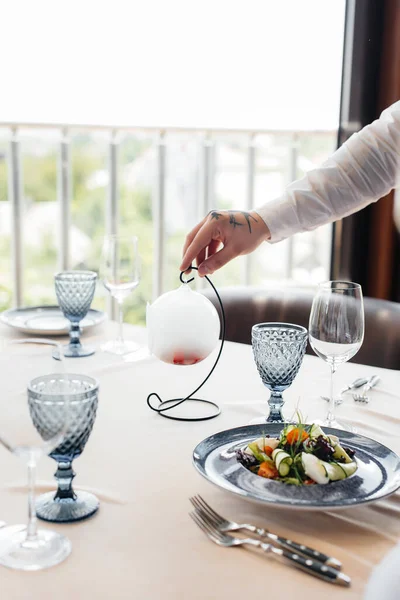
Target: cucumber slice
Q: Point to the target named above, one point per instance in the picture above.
(349, 468)
(316, 431)
(334, 440)
(314, 468)
(335, 471)
(261, 456)
(340, 453)
(283, 461)
(284, 466)
(338, 471)
(291, 480)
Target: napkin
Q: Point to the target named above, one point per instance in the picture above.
(384, 583)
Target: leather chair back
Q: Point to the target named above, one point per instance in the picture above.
(246, 306)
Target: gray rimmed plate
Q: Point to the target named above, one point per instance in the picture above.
(377, 476)
(46, 320)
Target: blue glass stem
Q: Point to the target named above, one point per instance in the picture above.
(64, 476)
(275, 407)
(74, 335)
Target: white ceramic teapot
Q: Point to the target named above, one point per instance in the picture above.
(183, 327)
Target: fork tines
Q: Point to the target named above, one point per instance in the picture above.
(205, 526)
(200, 504)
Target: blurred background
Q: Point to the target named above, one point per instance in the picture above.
(140, 117)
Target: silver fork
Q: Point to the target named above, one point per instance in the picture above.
(223, 525)
(357, 383)
(312, 567)
(363, 396)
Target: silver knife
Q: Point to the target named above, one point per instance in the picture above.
(355, 384)
(372, 382)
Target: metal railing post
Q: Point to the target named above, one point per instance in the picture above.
(292, 175)
(64, 200)
(207, 177)
(159, 218)
(16, 199)
(112, 212)
(251, 164)
(207, 185)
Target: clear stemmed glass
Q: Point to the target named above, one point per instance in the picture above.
(121, 275)
(336, 329)
(75, 291)
(28, 372)
(278, 350)
(66, 505)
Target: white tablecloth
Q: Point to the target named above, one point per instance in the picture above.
(142, 544)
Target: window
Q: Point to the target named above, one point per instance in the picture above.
(244, 96)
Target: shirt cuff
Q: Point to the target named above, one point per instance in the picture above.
(280, 217)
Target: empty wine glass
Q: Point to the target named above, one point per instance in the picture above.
(28, 372)
(75, 291)
(121, 275)
(278, 350)
(336, 330)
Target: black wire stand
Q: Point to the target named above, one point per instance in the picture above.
(166, 405)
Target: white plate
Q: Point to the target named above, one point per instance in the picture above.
(46, 320)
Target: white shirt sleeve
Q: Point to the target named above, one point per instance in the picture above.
(361, 171)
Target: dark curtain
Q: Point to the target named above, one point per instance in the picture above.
(366, 245)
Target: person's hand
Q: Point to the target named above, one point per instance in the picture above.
(237, 231)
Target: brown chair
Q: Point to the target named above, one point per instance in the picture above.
(245, 306)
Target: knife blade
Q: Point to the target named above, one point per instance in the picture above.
(359, 382)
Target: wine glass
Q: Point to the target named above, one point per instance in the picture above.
(278, 350)
(121, 275)
(29, 374)
(336, 330)
(75, 291)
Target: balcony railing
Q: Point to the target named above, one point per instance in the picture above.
(160, 136)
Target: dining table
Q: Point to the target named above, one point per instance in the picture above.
(142, 543)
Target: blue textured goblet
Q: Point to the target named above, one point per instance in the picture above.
(67, 505)
(278, 350)
(75, 291)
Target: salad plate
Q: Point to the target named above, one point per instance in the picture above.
(46, 320)
(377, 474)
